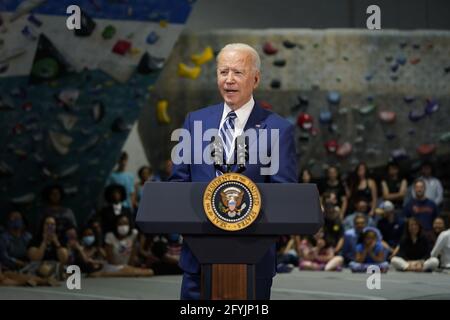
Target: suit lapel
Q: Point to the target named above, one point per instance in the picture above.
(255, 121)
(212, 122)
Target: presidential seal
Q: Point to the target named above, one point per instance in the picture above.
(232, 201)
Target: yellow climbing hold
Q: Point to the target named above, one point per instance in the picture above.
(188, 72)
(163, 23)
(135, 51)
(161, 112)
(203, 57)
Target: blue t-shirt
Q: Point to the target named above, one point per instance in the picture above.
(423, 210)
(126, 179)
(376, 250)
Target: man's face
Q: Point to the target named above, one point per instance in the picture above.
(360, 224)
(419, 189)
(362, 206)
(236, 77)
(438, 225)
(332, 173)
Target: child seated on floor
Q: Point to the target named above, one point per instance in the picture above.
(120, 247)
(315, 253)
(369, 251)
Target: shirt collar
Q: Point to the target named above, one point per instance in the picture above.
(243, 112)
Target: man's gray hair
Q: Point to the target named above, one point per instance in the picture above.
(244, 47)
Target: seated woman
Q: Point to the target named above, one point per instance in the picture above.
(14, 242)
(48, 257)
(120, 247)
(413, 251)
(369, 252)
(316, 253)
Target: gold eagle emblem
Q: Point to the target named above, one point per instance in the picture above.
(231, 198)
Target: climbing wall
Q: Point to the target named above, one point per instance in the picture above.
(353, 95)
(68, 98)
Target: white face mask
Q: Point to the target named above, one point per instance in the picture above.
(123, 230)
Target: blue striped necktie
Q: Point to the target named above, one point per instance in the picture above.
(227, 134)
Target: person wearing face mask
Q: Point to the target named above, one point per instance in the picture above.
(14, 242)
(95, 254)
(120, 247)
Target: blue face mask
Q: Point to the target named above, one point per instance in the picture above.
(16, 224)
(88, 240)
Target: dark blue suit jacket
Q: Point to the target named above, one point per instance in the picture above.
(259, 119)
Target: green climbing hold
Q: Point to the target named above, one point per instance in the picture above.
(45, 68)
(108, 32)
(367, 109)
(445, 137)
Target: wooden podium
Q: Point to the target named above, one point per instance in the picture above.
(228, 258)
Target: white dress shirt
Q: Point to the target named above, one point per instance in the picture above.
(243, 113)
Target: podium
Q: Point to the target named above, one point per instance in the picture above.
(228, 258)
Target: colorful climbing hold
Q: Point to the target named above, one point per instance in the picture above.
(401, 60)
(279, 63)
(275, 84)
(121, 47)
(344, 150)
(367, 109)
(426, 149)
(325, 117)
(188, 72)
(409, 99)
(269, 49)
(331, 146)
(416, 115)
(149, 63)
(305, 121)
(32, 18)
(431, 107)
(27, 106)
(206, 55)
(334, 97)
(108, 32)
(288, 44)
(414, 61)
(387, 116)
(445, 137)
(162, 112)
(152, 37)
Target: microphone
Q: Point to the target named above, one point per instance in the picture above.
(217, 152)
(241, 152)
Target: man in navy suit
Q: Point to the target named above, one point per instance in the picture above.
(238, 74)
